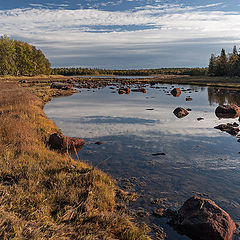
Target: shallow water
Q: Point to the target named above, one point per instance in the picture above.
(114, 76)
(199, 158)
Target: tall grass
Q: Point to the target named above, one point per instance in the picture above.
(44, 194)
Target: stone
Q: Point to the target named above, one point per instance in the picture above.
(143, 90)
(201, 218)
(62, 86)
(229, 128)
(176, 92)
(227, 111)
(58, 141)
(180, 112)
(200, 118)
(124, 91)
(188, 99)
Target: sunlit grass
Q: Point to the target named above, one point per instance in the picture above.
(44, 194)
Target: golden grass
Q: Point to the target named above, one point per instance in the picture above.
(44, 194)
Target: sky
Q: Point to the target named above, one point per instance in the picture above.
(124, 34)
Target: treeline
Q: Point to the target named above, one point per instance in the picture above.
(138, 72)
(21, 58)
(225, 64)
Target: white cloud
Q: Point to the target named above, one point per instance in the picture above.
(167, 24)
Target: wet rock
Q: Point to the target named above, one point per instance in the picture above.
(200, 118)
(200, 218)
(142, 213)
(189, 109)
(229, 128)
(150, 109)
(227, 111)
(60, 85)
(98, 143)
(188, 99)
(143, 90)
(58, 141)
(180, 112)
(176, 92)
(124, 91)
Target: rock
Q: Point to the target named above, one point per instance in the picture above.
(58, 141)
(229, 128)
(188, 99)
(180, 112)
(200, 118)
(176, 92)
(158, 154)
(227, 111)
(200, 218)
(124, 91)
(143, 90)
(159, 212)
(150, 109)
(189, 109)
(62, 86)
(98, 143)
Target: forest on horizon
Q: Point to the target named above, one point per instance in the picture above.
(19, 58)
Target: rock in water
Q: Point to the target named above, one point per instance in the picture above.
(176, 92)
(58, 141)
(59, 85)
(180, 112)
(227, 111)
(202, 219)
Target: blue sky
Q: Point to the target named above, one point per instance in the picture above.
(124, 34)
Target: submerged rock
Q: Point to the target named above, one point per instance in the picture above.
(176, 92)
(227, 111)
(180, 112)
(58, 141)
(200, 218)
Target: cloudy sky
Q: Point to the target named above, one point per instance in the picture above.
(124, 33)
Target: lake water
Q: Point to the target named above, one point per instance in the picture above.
(114, 76)
(198, 158)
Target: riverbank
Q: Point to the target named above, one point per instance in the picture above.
(45, 194)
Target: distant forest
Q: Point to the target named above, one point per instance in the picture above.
(137, 72)
(225, 64)
(21, 58)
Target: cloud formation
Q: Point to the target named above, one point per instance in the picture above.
(151, 31)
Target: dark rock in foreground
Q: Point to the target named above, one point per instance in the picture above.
(180, 112)
(176, 92)
(200, 218)
(227, 111)
(58, 141)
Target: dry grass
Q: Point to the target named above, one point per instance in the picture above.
(44, 194)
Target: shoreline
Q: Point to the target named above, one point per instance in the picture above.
(45, 188)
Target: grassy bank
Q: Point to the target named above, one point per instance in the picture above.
(44, 194)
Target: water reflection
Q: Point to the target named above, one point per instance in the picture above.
(223, 96)
(198, 157)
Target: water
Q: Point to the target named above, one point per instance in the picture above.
(114, 76)
(199, 158)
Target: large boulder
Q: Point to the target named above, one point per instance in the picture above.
(58, 141)
(176, 92)
(60, 85)
(227, 111)
(180, 112)
(200, 218)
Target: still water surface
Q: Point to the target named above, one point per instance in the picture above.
(198, 158)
